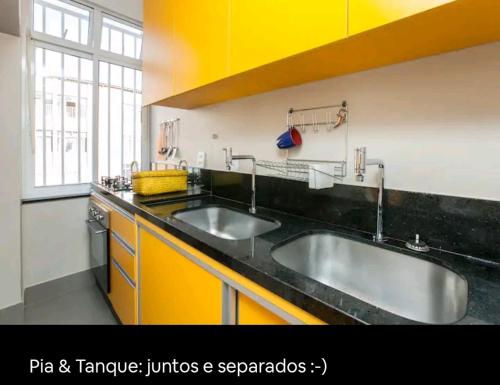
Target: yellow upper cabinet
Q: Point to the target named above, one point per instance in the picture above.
(158, 54)
(199, 52)
(264, 31)
(201, 43)
(368, 14)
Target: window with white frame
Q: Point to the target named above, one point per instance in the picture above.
(121, 38)
(87, 83)
(63, 118)
(120, 100)
(62, 20)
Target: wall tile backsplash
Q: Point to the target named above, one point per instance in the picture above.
(462, 225)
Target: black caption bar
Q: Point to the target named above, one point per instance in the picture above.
(312, 354)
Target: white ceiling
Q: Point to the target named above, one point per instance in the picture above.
(9, 17)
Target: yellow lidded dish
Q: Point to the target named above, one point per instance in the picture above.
(159, 182)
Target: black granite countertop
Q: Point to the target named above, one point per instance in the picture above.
(253, 259)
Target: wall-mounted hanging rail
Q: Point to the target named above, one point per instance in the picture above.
(334, 116)
(312, 170)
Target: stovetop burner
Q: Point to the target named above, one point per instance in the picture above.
(118, 183)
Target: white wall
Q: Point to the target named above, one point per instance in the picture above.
(129, 8)
(434, 121)
(55, 242)
(10, 179)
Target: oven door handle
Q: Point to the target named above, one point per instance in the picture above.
(96, 227)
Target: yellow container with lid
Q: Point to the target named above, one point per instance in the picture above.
(159, 182)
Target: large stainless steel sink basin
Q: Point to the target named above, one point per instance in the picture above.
(226, 223)
(409, 287)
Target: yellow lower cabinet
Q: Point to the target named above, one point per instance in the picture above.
(123, 295)
(173, 289)
(251, 313)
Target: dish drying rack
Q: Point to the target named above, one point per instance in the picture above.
(302, 169)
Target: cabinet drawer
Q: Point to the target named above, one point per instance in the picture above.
(122, 254)
(251, 313)
(124, 227)
(123, 295)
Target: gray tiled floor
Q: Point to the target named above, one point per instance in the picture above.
(85, 306)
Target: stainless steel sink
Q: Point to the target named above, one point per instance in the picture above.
(409, 287)
(226, 223)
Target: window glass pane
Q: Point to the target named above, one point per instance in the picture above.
(116, 43)
(103, 73)
(86, 120)
(124, 116)
(114, 24)
(115, 112)
(53, 133)
(138, 48)
(128, 129)
(71, 28)
(71, 67)
(138, 80)
(115, 75)
(39, 117)
(138, 127)
(63, 118)
(86, 70)
(105, 39)
(103, 142)
(53, 22)
(71, 132)
(124, 39)
(128, 78)
(84, 31)
(129, 45)
(66, 7)
(53, 64)
(62, 20)
(38, 18)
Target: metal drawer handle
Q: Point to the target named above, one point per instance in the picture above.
(124, 274)
(123, 243)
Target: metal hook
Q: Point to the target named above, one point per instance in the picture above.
(315, 123)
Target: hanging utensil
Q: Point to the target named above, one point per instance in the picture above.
(175, 139)
(341, 117)
(162, 139)
(315, 123)
(329, 121)
(170, 147)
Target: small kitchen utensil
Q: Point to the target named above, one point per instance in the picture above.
(170, 143)
(289, 139)
(162, 139)
(341, 117)
(175, 139)
(303, 127)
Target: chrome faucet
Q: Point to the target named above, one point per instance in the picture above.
(229, 161)
(360, 163)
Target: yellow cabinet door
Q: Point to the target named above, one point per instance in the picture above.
(123, 294)
(251, 313)
(263, 31)
(158, 51)
(201, 43)
(368, 14)
(173, 290)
